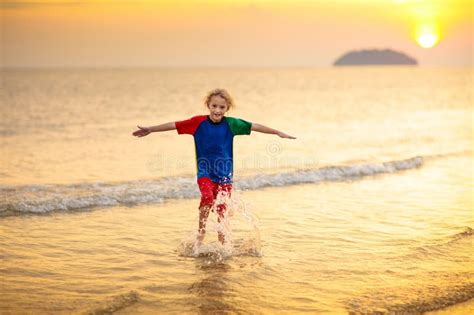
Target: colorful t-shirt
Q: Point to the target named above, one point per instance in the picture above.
(213, 144)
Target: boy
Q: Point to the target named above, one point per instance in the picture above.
(213, 138)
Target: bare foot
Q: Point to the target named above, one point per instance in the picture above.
(221, 237)
(196, 247)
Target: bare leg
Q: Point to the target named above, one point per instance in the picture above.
(220, 235)
(203, 214)
(221, 208)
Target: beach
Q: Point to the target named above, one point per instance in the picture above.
(368, 211)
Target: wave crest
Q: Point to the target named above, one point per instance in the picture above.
(46, 198)
(416, 301)
(115, 303)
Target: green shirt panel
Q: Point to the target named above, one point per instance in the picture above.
(239, 126)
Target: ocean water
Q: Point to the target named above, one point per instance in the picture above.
(369, 210)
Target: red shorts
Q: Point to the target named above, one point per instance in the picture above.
(209, 191)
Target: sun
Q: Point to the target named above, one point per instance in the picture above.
(427, 35)
(427, 40)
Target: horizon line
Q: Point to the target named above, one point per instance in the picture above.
(46, 67)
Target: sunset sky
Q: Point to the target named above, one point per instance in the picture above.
(230, 33)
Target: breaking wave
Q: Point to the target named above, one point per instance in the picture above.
(45, 198)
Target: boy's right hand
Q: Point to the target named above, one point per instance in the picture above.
(143, 131)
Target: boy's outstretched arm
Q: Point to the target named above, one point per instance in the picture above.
(265, 129)
(144, 131)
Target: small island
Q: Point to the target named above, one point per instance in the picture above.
(375, 57)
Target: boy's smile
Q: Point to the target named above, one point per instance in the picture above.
(217, 108)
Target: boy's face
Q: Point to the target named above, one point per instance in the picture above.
(217, 108)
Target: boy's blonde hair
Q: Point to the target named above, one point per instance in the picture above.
(222, 93)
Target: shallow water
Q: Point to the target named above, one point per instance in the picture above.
(369, 212)
(351, 246)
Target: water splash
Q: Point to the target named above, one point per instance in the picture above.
(239, 227)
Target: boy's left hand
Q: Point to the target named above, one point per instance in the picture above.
(284, 135)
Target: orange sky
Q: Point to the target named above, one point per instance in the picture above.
(228, 33)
